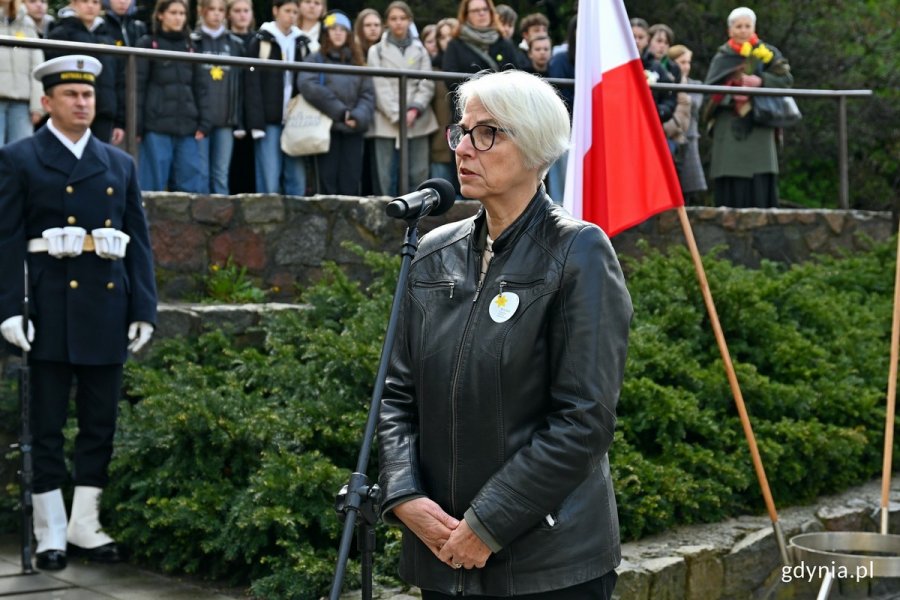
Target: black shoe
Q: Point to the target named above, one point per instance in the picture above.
(51, 560)
(107, 553)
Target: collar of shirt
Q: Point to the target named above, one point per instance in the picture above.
(76, 148)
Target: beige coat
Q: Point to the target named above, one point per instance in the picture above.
(16, 64)
(419, 92)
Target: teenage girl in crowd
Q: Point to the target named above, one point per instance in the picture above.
(239, 15)
(443, 164)
(37, 12)
(399, 50)
(268, 92)
(310, 21)
(241, 177)
(226, 97)
(122, 24)
(171, 122)
(367, 31)
(348, 99)
(20, 94)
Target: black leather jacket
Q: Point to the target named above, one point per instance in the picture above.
(508, 423)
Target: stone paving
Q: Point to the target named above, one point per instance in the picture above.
(91, 581)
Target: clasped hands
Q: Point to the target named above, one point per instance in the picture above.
(139, 332)
(451, 540)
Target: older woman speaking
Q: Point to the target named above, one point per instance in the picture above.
(500, 401)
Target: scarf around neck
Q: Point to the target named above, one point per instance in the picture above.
(403, 44)
(479, 37)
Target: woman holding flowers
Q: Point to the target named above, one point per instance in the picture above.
(744, 165)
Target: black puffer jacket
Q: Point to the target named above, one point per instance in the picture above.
(505, 423)
(264, 88)
(126, 30)
(225, 104)
(172, 95)
(336, 94)
(110, 87)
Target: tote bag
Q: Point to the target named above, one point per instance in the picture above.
(306, 131)
(775, 111)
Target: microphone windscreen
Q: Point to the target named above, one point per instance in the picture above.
(445, 191)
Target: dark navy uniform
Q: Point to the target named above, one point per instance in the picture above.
(81, 306)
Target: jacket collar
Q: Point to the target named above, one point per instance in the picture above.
(537, 207)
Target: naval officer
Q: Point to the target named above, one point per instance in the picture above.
(71, 207)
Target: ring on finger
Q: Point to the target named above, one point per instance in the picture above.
(457, 565)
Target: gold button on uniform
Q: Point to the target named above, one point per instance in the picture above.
(73, 284)
(71, 220)
(109, 191)
(110, 285)
(69, 189)
(107, 223)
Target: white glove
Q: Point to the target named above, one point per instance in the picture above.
(14, 333)
(239, 134)
(64, 241)
(139, 333)
(257, 134)
(109, 243)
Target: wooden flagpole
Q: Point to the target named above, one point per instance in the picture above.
(733, 383)
(891, 399)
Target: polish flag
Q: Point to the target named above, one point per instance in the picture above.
(620, 170)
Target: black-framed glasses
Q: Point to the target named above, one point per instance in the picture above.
(482, 136)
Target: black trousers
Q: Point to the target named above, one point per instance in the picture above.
(595, 589)
(96, 400)
(341, 167)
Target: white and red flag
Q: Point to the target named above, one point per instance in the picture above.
(620, 170)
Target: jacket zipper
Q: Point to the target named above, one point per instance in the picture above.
(436, 284)
(453, 398)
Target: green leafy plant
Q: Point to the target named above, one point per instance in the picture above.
(230, 284)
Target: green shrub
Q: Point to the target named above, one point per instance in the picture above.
(228, 459)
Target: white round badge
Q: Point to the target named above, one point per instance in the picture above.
(503, 306)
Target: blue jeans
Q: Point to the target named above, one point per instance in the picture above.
(160, 154)
(15, 121)
(387, 163)
(276, 172)
(556, 179)
(215, 151)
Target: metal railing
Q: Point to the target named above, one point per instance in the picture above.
(404, 75)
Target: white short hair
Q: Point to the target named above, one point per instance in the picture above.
(529, 108)
(741, 11)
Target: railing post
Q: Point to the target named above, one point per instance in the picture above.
(131, 106)
(402, 186)
(843, 160)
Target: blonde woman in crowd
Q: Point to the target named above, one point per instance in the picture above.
(399, 50)
(690, 169)
(367, 31)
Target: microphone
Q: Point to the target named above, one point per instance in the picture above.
(433, 197)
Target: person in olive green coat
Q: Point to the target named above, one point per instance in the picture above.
(744, 165)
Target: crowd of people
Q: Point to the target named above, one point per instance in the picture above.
(216, 129)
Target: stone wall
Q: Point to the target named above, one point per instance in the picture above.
(284, 240)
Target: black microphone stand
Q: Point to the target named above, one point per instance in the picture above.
(358, 497)
(26, 474)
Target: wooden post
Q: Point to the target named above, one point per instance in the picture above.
(733, 383)
(891, 398)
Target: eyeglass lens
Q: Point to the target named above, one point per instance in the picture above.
(482, 136)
